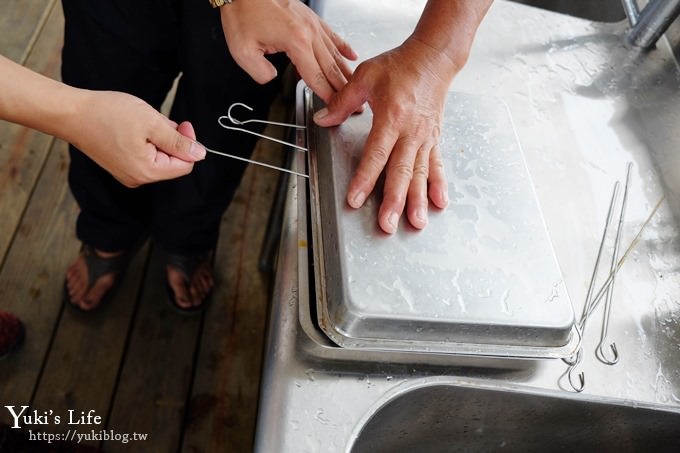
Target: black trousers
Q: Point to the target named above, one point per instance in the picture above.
(140, 47)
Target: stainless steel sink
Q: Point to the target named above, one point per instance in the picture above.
(598, 10)
(442, 417)
(584, 105)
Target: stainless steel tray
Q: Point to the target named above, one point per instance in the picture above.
(481, 279)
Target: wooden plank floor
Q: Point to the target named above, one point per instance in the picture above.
(188, 382)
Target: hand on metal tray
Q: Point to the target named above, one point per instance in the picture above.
(406, 88)
(406, 92)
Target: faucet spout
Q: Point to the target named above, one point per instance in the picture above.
(652, 22)
(632, 12)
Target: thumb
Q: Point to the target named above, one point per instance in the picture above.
(180, 143)
(345, 102)
(256, 65)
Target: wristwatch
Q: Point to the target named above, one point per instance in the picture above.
(218, 3)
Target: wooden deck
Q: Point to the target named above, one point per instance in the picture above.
(189, 382)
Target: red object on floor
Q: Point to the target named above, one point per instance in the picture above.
(11, 333)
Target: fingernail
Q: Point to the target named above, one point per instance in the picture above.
(358, 199)
(421, 215)
(197, 150)
(393, 220)
(445, 196)
(321, 114)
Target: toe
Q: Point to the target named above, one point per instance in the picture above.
(178, 285)
(75, 283)
(201, 285)
(78, 284)
(94, 296)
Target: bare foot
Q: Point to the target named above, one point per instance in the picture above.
(77, 281)
(191, 294)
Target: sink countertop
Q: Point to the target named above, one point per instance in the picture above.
(583, 106)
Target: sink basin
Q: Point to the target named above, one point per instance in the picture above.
(449, 417)
(600, 11)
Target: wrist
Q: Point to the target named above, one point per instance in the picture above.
(73, 107)
(449, 27)
(445, 65)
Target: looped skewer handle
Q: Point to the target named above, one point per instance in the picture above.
(233, 120)
(237, 122)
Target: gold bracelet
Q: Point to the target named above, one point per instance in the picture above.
(218, 3)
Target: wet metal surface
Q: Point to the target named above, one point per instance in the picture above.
(480, 279)
(583, 105)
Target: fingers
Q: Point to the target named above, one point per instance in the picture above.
(340, 44)
(348, 100)
(340, 50)
(165, 166)
(318, 53)
(399, 175)
(318, 69)
(174, 151)
(320, 56)
(180, 143)
(255, 64)
(410, 171)
(377, 150)
(332, 57)
(185, 128)
(439, 188)
(414, 173)
(417, 191)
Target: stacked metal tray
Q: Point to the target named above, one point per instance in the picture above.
(480, 279)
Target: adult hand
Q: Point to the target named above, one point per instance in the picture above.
(255, 28)
(131, 140)
(406, 89)
(120, 132)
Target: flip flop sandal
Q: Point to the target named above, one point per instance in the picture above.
(97, 267)
(187, 265)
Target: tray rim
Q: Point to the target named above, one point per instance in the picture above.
(337, 336)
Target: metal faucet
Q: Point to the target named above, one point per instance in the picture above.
(650, 23)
